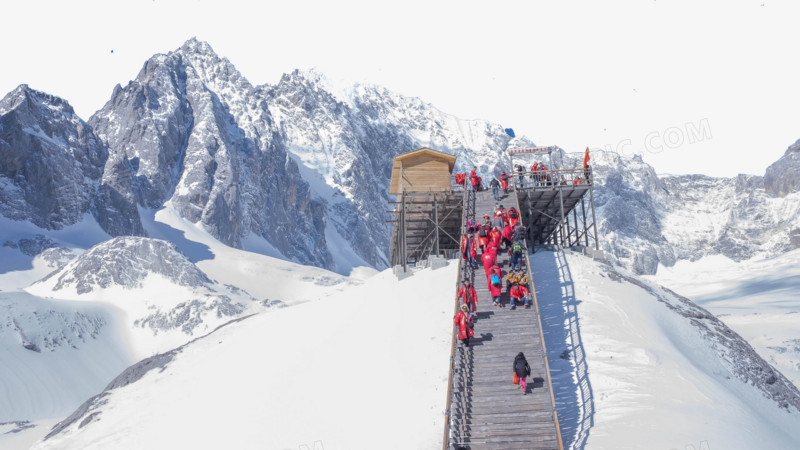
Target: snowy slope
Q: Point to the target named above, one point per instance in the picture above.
(165, 299)
(760, 299)
(349, 371)
(58, 351)
(54, 354)
(636, 366)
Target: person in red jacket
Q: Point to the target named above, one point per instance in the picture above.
(489, 259)
(475, 179)
(469, 249)
(513, 217)
(508, 232)
(463, 320)
(504, 182)
(495, 290)
(468, 296)
(520, 293)
(495, 236)
(491, 247)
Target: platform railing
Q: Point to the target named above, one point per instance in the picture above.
(552, 178)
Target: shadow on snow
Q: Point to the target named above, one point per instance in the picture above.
(558, 306)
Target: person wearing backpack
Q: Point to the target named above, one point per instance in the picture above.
(463, 320)
(483, 232)
(494, 281)
(468, 296)
(474, 179)
(522, 370)
(515, 252)
(520, 293)
(513, 217)
(504, 182)
(495, 188)
(519, 233)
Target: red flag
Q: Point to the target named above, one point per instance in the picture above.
(586, 158)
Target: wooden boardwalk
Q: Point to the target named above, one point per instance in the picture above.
(487, 411)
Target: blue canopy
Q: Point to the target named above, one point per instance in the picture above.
(510, 132)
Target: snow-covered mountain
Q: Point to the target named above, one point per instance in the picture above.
(50, 160)
(646, 220)
(193, 132)
(154, 284)
(306, 167)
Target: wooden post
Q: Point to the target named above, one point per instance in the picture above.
(561, 225)
(569, 230)
(594, 219)
(436, 224)
(585, 228)
(404, 250)
(575, 220)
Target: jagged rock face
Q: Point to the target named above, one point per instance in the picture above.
(50, 160)
(127, 261)
(351, 139)
(783, 176)
(351, 156)
(191, 131)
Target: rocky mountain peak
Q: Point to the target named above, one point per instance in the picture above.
(783, 176)
(214, 70)
(50, 160)
(25, 97)
(126, 261)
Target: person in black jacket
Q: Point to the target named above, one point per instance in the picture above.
(522, 369)
(495, 188)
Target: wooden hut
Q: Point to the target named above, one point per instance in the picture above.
(428, 213)
(423, 170)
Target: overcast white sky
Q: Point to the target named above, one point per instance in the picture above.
(626, 75)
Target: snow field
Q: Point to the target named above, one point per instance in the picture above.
(655, 382)
(759, 299)
(362, 369)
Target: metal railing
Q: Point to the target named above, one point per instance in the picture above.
(465, 271)
(552, 178)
